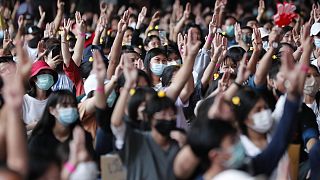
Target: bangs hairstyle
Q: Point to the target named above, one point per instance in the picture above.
(142, 94)
(157, 104)
(248, 99)
(150, 54)
(47, 121)
(149, 39)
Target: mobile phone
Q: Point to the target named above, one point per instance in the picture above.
(163, 37)
(56, 51)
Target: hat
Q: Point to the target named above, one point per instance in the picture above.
(315, 29)
(91, 84)
(33, 30)
(87, 53)
(42, 65)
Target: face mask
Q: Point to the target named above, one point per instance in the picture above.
(262, 121)
(44, 81)
(164, 127)
(157, 69)
(265, 45)
(230, 31)
(85, 170)
(172, 63)
(247, 39)
(68, 115)
(317, 42)
(237, 156)
(311, 86)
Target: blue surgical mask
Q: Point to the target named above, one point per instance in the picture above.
(68, 115)
(237, 157)
(157, 69)
(230, 31)
(44, 81)
(317, 42)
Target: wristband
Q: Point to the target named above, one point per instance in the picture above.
(304, 68)
(82, 34)
(210, 38)
(69, 167)
(217, 65)
(100, 89)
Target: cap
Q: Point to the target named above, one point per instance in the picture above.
(87, 53)
(91, 84)
(33, 30)
(42, 65)
(315, 29)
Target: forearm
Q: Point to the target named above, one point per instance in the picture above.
(115, 53)
(78, 49)
(252, 64)
(16, 139)
(99, 96)
(187, 90)
(178, 28)
(207, 75)
(208, 42)
(96, 39)
(118, 112)
(264, 65)
(65, 52)
(57, 21)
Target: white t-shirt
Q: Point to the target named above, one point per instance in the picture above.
(33, 52)
(32, 109)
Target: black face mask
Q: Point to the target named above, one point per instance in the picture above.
(164, 127)
(33, 43)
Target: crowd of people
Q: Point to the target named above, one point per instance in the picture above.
(182, 90)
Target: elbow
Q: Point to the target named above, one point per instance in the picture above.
(19, 165)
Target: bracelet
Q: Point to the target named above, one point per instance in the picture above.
(69, 167)
(82, 34)
(237, 84)
(217, 65)
(100, 89)
(210, 38)
(304, 68)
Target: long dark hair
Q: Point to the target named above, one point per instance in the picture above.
(47, 121)
(150, 54)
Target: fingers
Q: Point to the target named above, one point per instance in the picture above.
(144, 11)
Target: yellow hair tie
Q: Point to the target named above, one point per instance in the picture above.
(161, 94)
(251, 49)
(101, 40)
(156, 27)
(236, 100)
(150, 27)
(132, 92)
(274, 57)
(68, 37)
(91, 59)
(215, 76)
(140, 46)
(224, 33)
(109, 32)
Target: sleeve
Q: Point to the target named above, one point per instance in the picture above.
(308, 124)
(314, 157)
(73, 73)
(201, 63)
(135, 37)
(267, 160)
(119, 133)
(255, 87)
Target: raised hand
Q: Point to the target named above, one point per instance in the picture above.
(261, 8)
(155, 18)
(103, 7)
(223, 83)
(192, 45)
(25, 64)
(142, 15)
(60, 4)
(243, 71)
(213, 25)
(123, 23)
(20, 22)
(296, 37)
(237, 32)
(187, 11)
(219, 45)
(80, 23)
(42, 13)
(78, 151)
(316, 13)
(66, 28)
(102, 23)
(130, 73)
(257, 43)
(99, 67)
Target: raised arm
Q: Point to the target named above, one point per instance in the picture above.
(131, 75)
(184, 73)
(266, 61)
(66, 55)
(180, 24)
(100, 71)
(257, 48)
(115, 52)
(59, 16)
(42, 17)
(20, 28)
(78, 48)
(99, 29)
(261, 10)
(16, 140)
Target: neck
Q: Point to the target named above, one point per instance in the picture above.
(60, 132)
(155, 79)
(159, 139)
(41, 94)
(260, 140)
(308, 99)
(212, 172)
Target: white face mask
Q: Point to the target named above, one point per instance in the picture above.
(311, 86)
(262, 121)
(85, 171)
